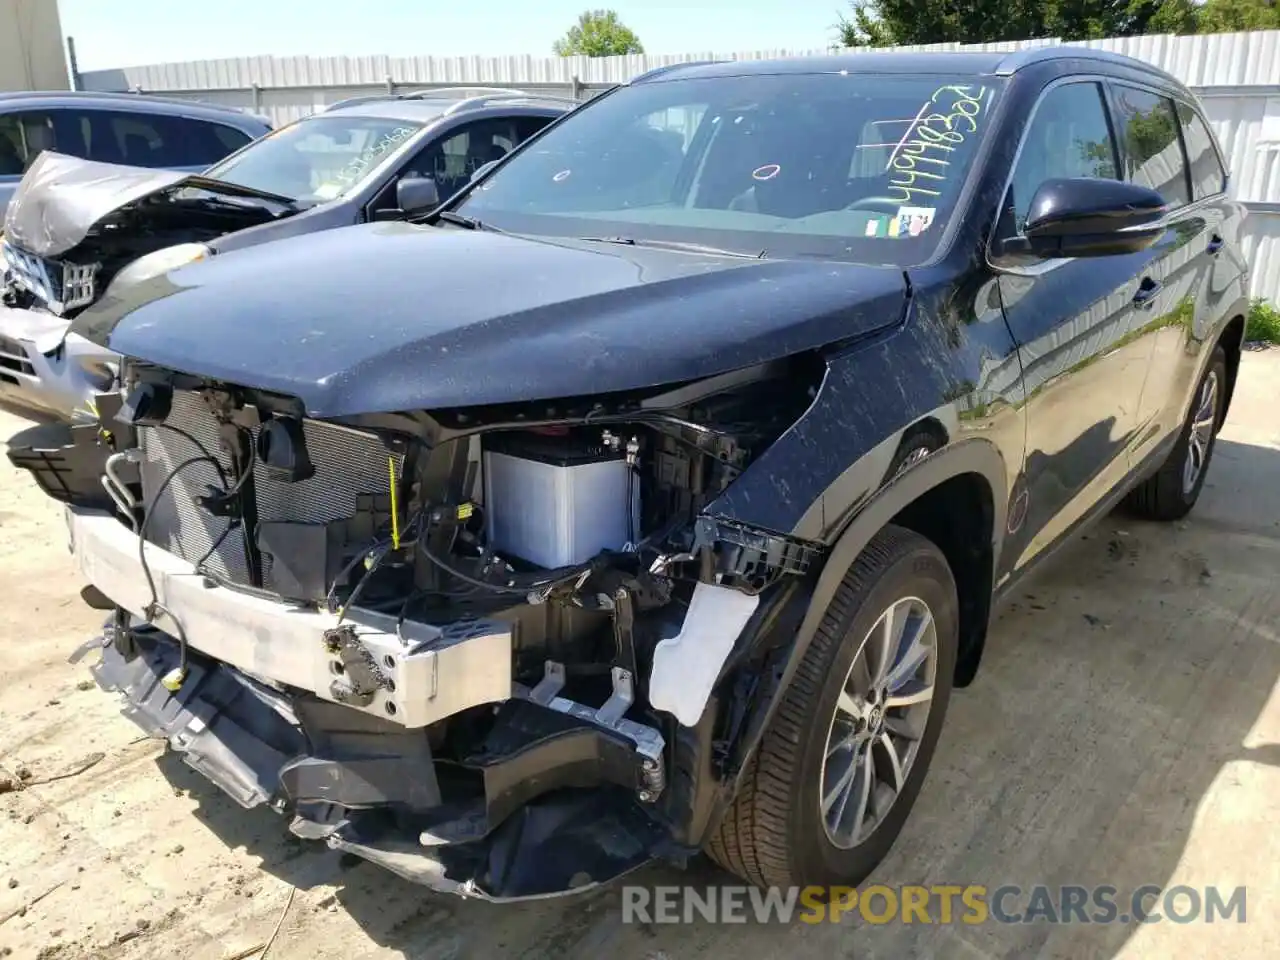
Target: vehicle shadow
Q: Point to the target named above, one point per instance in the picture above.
(1116, 689)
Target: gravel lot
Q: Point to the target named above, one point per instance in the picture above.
(1124, 730)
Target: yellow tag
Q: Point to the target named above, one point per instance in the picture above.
(465, 510)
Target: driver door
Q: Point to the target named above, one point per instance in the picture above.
(1076, 325)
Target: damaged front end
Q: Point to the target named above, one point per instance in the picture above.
(506, 652)
(76, 227)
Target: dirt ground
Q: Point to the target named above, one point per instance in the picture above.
(1124, 730)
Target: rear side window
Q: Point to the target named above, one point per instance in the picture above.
(152, 140)
(23, 137)
(1207, 175)
(1148, 129)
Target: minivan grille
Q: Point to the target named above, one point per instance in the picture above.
(61, 285)
(348, 464)
(13, 358)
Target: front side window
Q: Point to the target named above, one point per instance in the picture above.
(317, 159)
(197, 143)
(23, 137)
(1207, 175)
(847, 166)
(1148, 129)
(228, 139)
(453, 160)
(1068, 137)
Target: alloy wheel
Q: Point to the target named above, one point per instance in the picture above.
(1201, 434)
(879, 722)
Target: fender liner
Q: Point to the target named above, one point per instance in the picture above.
(961, 457)
(1238, 309)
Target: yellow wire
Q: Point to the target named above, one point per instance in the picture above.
(395, 511)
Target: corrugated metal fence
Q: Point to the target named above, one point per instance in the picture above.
(1236, 75)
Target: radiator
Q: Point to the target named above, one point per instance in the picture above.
(348, 463)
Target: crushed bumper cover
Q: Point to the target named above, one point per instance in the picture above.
(426, 673)
(556, 797)
(363, 787)
(47, 371)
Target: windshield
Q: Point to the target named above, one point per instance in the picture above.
(317, 159)
(855, 167)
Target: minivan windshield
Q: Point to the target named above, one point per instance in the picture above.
(317, 159)
(861, 167)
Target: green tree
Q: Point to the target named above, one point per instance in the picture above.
(879, 23)
(882, 23)
(598, 33)
(1227, 16)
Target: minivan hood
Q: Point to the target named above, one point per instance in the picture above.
(390, 317)
(61, 199)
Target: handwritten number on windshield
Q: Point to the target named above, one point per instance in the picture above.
(358, 165)
(920, 159)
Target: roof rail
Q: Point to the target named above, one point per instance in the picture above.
(108, 95)
(352, 101)
(474, 98)
(470, 102)
(450, 92)
(667, 68)
(1017, 59)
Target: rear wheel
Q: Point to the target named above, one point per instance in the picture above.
(837, 773)
(1171, 492)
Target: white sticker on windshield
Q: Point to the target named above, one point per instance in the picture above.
(327, 191)
(913, 221)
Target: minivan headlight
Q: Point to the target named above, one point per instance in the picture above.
(157, 262)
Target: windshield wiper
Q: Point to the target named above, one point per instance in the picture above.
(459, 220)
(677, 245)
(227, 188)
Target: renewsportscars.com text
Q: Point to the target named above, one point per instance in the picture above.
(936, 904)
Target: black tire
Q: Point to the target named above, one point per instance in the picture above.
(773, 833)
(1165, 495)
(915, 446)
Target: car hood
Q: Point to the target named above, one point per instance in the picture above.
(392, 317)
(61, 199)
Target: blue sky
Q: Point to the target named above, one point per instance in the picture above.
(116, 33)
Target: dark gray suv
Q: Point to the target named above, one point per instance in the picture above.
(78, 230)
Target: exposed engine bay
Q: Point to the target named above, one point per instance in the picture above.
(434, 638)
(74, 226)
(76, 278)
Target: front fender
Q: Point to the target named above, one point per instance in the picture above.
(967, 456)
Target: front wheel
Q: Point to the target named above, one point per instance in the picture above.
(831, 784)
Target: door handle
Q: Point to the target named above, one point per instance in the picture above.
(1147, 291)
(1215, 245)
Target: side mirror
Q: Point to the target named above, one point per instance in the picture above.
(1090, 217)
(415, 195)
(482, 170)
